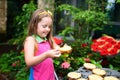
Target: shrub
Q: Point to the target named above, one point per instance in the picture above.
(13, 64)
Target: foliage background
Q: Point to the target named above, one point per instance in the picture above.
(86, 22)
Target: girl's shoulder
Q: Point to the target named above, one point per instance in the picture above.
(30, 38)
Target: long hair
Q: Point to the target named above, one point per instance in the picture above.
(35, 19)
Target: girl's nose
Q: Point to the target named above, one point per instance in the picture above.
(48, 28)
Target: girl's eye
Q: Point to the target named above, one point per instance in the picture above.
(44, 26)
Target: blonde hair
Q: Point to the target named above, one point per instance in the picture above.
(35, 19)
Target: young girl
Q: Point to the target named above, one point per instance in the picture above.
(39, 46)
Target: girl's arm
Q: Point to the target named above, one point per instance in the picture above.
(29, 48)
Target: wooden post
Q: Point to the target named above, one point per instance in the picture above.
(46, 4)
(3, 16)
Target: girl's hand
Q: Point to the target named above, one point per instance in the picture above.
(53, 53)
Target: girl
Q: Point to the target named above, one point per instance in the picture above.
(39, 46)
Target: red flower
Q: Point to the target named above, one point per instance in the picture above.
(94, 40)
(100, 42)
(58, 40)
(65, 65)
(94, 47)
(106, 45)
(113, 51)
(104, 52)
(14, 64)
(104, 62)
(109, 40)
(87, 60)
(84, 45)
(118, 45)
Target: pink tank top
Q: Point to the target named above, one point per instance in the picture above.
(45, 69)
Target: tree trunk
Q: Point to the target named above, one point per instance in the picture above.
(3, 16)
(46, 4)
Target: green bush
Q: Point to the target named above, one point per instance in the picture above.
(86, 22)
(21, 23)
(13, 64)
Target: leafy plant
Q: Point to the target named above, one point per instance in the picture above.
(86, 22)
(13, 64)
(21, 23)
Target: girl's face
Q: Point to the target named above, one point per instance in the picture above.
(44, 27)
